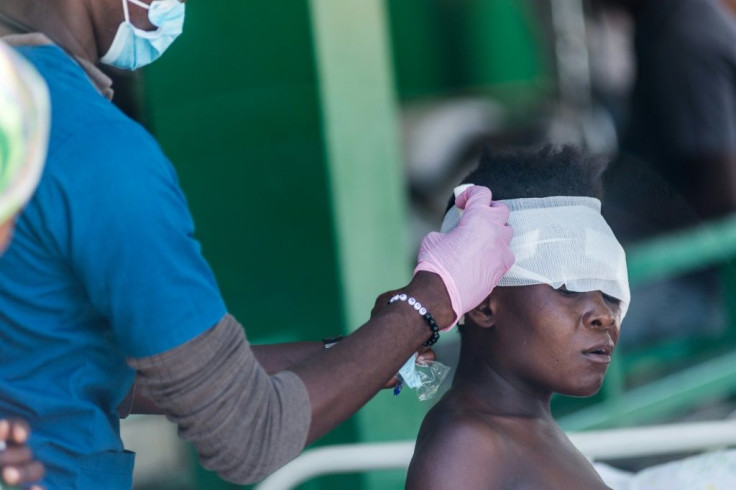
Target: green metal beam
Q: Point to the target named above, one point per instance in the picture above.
(366, 177)
(677, 253)
(359, 117)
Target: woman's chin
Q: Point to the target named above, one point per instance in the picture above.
(584, 391)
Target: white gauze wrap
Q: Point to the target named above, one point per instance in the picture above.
(561, 240)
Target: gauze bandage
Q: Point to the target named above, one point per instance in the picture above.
(562, 240)
(24, 129)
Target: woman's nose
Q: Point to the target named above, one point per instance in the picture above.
(600, 313)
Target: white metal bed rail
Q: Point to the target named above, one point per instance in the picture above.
(596, 444)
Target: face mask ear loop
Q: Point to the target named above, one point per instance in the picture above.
(137, 2)
(125, 11)
(140, 4)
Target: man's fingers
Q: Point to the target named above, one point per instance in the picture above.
(476, 195)
(14, 431)
(477, 199)
(14, 475)
(391, 383)
(19, 431)
(425, 355)
(500, 210)
(15, 456)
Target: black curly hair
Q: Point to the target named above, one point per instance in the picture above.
(538, 172)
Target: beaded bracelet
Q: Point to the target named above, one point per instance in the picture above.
(422, 311)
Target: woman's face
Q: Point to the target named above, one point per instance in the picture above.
(553, 339)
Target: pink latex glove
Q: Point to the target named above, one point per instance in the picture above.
(472, 257)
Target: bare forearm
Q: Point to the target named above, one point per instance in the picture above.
(345, 377)
(278, 357)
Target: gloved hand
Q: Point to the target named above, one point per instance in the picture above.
(472, 257)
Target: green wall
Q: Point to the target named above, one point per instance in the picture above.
(451, 47)
(235, 105)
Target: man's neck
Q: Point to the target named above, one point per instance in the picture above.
(67, 24)
(8, 25)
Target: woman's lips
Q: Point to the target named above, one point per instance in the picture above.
(599, 357)
(600, 353)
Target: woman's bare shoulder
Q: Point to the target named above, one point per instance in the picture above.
(457, 448)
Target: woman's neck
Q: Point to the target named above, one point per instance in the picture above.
(485, 386)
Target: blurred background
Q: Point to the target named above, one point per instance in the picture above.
(318, 141)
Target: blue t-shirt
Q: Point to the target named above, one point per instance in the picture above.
(103, 266)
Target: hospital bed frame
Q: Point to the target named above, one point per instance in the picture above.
(656, 440)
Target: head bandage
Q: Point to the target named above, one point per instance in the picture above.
(24, 128)
(562, 240)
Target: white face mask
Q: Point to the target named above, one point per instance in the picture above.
(134, 47)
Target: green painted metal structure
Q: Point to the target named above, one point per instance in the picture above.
(361, 135)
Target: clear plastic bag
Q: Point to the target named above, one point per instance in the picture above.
(424, 377)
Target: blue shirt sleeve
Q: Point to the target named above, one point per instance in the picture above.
(128, 236)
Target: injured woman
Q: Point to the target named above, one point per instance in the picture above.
(550, 326)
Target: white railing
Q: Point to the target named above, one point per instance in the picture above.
(596, 445)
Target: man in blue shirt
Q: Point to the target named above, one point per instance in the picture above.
(104, 285)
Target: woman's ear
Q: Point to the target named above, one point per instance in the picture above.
(482, 315)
